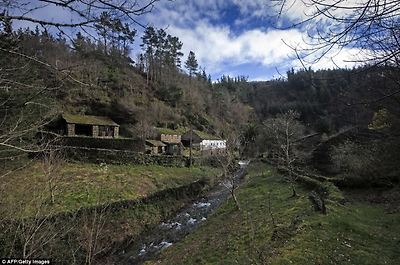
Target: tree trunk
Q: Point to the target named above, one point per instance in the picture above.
(235, 199)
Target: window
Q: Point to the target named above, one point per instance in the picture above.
(106, 131)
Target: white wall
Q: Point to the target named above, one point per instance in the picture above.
(212, 144)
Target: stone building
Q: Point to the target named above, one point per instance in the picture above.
(155, 147)
(86, 125)
(171, 139)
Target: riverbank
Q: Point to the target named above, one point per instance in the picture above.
(171, 231)
(98, 209)
(80, 185)
(273, 228)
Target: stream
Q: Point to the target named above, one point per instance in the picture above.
(187, 219)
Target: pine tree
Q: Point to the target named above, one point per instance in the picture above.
(7, 39)
(209, 80)
(191, 63)
(149, 40)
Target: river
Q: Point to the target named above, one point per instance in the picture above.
(187, 220)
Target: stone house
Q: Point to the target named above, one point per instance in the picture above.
(155, 147)
(85, 125)
(171, 139)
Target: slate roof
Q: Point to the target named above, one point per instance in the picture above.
(88, 119)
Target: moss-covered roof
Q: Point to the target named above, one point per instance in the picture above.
(155, 143)
(88, 119)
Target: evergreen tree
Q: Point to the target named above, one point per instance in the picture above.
(209, 80)
(149, 41)
(6, 35)
(191, 63)
(175, 46)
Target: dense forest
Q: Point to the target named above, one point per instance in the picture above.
(358, 103)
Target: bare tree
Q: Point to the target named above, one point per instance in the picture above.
(282, 133)
(85, 15)
(370, 26)
(368, 30)
(26, 106)
(51, 163)
(23, 109)
(92, 232)
(227, 160)
(29, 227)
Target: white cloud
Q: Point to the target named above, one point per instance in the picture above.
(216, 45)
(219, 48)
(264, 77)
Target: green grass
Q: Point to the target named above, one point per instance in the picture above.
(81, 185)
(25, 193)
(356, 233)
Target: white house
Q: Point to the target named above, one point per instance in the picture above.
(212, 144)
(204, 141)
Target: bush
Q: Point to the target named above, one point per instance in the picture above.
(361, 165)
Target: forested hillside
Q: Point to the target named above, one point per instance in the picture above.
(327, 100)
(347, 118)
(49, 74)
(78, 75)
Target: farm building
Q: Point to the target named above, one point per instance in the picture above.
(204, 142)
(85, 125)
(155, 147)
(172, 140)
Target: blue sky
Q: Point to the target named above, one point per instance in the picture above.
(232, 37)
(238, 37)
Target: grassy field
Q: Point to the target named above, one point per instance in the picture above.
(79, 185)
(72, 240)
(273, 228)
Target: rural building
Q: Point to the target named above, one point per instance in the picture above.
(85, 125)
(204, 142)
(155, 147)
(172, 140)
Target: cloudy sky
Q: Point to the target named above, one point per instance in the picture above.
(233, 37)
(239, 37)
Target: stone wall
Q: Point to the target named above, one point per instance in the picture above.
(130, 144)
(70, 129)
(93, 155)
(95, 131)
(170, 138)
(116, 132)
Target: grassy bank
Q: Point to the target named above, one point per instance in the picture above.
(79, 185)
(90, 236)
(273, 228)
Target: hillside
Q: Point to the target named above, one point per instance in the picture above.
(273, 228)
(81, 77)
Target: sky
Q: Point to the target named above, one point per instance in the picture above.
(235, 37)
(239, 37)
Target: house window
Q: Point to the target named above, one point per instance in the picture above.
(106, 131)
